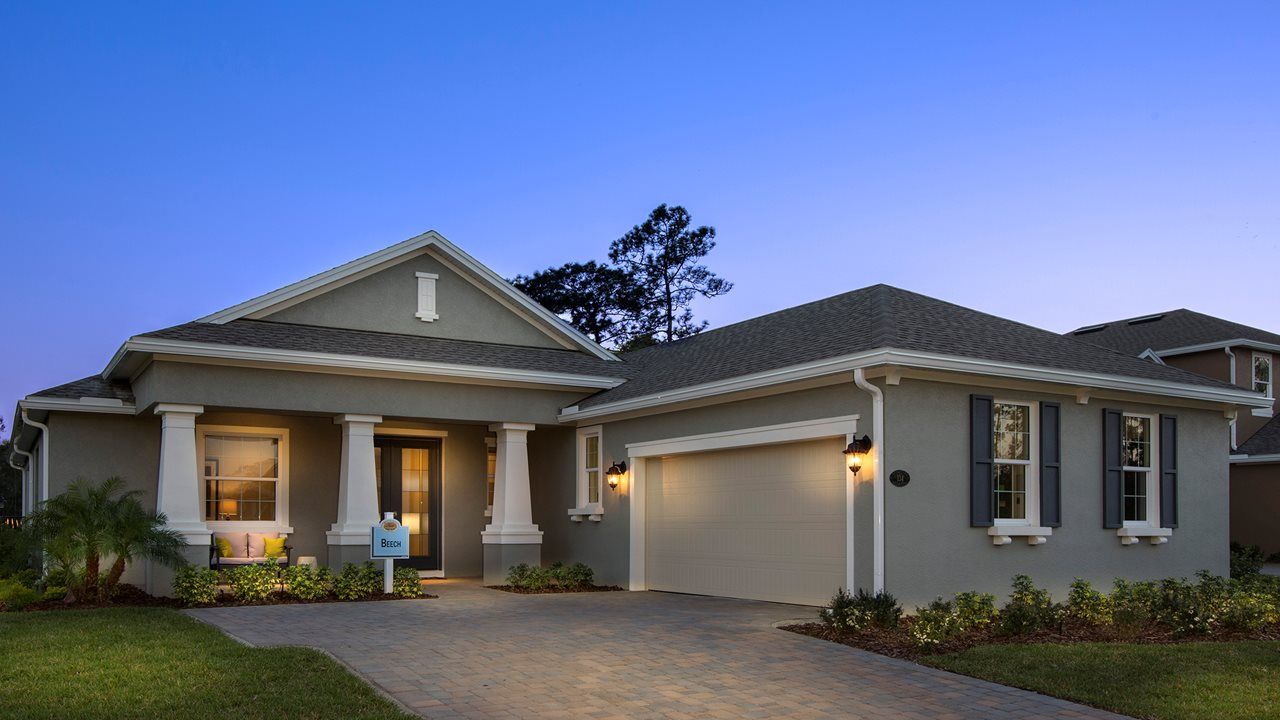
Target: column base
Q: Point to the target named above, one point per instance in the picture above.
(159, 578)
(340, 555)
(498, 559)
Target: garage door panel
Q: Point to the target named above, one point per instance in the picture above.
(763, 522)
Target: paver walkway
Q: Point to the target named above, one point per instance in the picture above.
(479, 653)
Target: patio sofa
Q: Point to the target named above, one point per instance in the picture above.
(245, 549)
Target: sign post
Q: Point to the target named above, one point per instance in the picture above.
(389, 542)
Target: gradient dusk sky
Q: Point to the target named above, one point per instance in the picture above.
(1057, 163)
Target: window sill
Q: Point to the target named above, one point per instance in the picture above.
(591, 511)
(1004, 534)
(1154, 535)
(252, 526)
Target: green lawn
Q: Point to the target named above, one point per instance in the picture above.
(1223, 681)
(134, 662)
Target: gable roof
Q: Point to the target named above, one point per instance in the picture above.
(1266, 441)
(875, 318)
(430, 241)
(1176, 330)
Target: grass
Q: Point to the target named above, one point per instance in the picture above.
(1220, 680)
(154, 662)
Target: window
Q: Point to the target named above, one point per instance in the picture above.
(1015, 473)
(490, 473)
(427, 297)
(589, 473)
(244, 474)
(1138, 486)
(1262, 374)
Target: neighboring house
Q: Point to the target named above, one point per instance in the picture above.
(415, 380)
(1237, 354)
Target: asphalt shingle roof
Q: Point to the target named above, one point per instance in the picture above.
(880, 316)
(310, 338)
(93, 386)
(1168, 330)
(1266, 441)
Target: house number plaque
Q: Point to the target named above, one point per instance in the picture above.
(899, 478)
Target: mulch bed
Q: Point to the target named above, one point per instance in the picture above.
(133, 596)
(897, 642)
(554, 589)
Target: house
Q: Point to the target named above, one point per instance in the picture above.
(875, 439)
(1236, 354)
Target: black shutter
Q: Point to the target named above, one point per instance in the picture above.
(1112, 470)
(1050, 465)
(1169, 471)
(981, 452)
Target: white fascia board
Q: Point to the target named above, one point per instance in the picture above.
(85, 404)
(1251, 459)
(358, 362)
(928, 361)
(766, 435)
(1238, 342)
(431, 238)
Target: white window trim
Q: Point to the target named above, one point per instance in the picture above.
(490, 445)
(1271, 373)
(427, 297)
(1003, 530)
(281, 524)
(1153, 476)
(588, 510)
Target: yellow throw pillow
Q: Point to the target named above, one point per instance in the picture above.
(274, 547)
(224, 547)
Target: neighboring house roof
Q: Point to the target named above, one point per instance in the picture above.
(370, 344)
(91, 387)
(1173, 330)
(432, 242)
(863, 320)
(1266, 441)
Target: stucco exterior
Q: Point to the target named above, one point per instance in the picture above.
(931, 550)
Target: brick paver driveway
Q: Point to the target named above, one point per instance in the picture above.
(481, 653)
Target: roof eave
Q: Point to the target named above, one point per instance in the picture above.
(919, 360)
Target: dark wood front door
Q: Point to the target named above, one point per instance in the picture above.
(409, 486)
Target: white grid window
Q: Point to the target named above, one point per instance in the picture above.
(241, 474)
(1137, 452)
(1014, 472)
(1262, 374)
(589, 467)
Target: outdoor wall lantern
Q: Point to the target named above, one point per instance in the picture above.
(614, 474)
(853, 454)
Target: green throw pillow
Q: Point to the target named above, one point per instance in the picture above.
(274, 547)
(224, 547)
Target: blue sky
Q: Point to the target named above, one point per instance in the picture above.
(1055, 163)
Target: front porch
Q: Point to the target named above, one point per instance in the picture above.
(463, 488)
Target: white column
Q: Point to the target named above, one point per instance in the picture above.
(357, 482)
(512, 522)
(178, 487)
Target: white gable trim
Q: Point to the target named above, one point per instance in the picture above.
(462, 263)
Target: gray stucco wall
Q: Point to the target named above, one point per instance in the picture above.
(313, 392)
(930, 549)
(606, 543)
(387, 300)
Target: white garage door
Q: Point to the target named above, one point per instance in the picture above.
(765, 522)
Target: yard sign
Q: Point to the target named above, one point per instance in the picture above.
(390, 540)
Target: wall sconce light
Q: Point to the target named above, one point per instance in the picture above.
(614, 474)
(853, 454)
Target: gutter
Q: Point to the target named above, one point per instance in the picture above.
(44, 455)
(878, 466)
(26, 476)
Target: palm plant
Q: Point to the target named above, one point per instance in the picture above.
(88, 521)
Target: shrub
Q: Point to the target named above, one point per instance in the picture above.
(1246, 560)
(17, 546)
(580, 575)
(1247, 610)
(975, 610)
(358, 581)
(53, 592)
(1133, 603)
(253, 583)
(861, 610)
(15, 596)
(1186, 608)
(406, 583)
(935, 624)
(517, 574)
(26, 576)
(1087, 604)
(1029, 608)
(307, 583)
(195, 585)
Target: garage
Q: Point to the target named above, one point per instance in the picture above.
(764, 522)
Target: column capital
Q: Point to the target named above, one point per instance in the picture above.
(526, 427)
(178, 409)
(348, 419)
